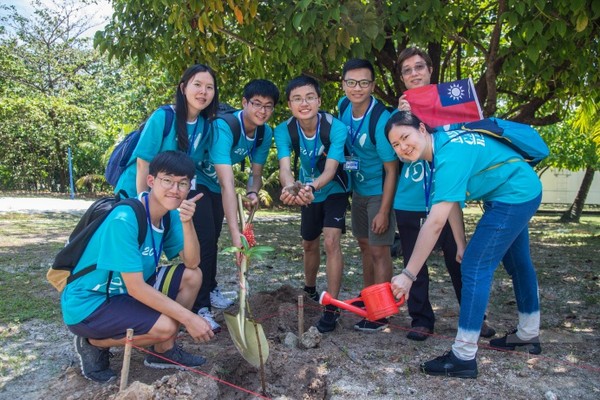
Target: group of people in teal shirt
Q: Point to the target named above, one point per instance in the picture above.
(421, 197)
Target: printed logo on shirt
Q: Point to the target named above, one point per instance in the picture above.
(240, 151)
(415, 171)
(148, 252)
(474, 139)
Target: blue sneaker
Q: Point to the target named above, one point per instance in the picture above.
(174, 358)
(94, 361)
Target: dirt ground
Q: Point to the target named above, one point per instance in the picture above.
(347, 364)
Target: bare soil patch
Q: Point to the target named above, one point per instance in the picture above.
(347, 364)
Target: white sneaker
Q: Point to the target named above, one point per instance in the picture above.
(205, 313)
(217, 299)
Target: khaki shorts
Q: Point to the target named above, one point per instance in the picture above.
(364, 209)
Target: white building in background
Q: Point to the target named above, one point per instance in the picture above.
(561, 186)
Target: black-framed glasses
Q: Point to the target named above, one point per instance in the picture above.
(168, 183)
(308, 99)
(259, 106)
(363, 83)
(417, 68)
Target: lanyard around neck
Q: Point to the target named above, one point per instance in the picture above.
(428, 183)
(156, 254)
(193, 138)
(313, 157)
(354, 133)
(250, 150)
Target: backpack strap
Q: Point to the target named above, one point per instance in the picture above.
(169, 117)
(295, 138)
(376, 112)
(343, 105)
(140, 214)
(236, 129)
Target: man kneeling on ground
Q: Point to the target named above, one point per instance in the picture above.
(129, 290)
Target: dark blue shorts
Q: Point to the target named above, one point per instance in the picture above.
(330, 213)
(119, 313)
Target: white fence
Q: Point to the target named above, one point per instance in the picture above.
(561, 186)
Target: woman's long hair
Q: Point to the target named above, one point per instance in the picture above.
(181, 110)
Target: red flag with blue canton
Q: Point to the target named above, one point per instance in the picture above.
(445, 103)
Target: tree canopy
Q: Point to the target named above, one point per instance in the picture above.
(528, 58)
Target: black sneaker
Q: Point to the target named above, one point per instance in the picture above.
(511, 342)
(328, 319)
(371, 326)
(94, 361)
(419, 333)
(312, 295)
(450, 365)
(174, 358)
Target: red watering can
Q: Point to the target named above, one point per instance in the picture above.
(378, 299)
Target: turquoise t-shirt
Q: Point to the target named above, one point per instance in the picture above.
(475, 167)
(114, 247)
(368, 180)
(410, 195)
(310, 151)
(151, 143)
(410, 191)
(223, 151)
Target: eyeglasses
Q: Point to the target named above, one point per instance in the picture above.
(259, 106)
(309, 99)
(417, 68)
(168, 184)
(364, 83)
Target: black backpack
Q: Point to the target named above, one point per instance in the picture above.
(60, 273)
(376, 112)
(120, 157)
(341, 176)
(226, 113)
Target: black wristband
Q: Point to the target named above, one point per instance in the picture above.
(249, 193)
(312, 188)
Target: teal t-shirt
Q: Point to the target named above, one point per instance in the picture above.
(410, 195)
(224, 151)
(410, 191)
(475, 167)
(151, 143)
(310, 151)
(114, 247)
(368, 180)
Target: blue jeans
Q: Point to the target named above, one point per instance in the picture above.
(502, 234)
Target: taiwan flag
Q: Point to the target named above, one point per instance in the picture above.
(445, 103)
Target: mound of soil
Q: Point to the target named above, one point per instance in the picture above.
(347, 364)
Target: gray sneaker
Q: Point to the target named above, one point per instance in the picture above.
(94, 361)
(511, 342)
(205, 313)
(217, 299)
(174, 358)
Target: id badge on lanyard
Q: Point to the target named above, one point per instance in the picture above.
(352, 163)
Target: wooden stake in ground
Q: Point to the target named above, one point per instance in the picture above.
(126, 360)
(300, 316)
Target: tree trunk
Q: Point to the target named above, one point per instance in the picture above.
(574, 212)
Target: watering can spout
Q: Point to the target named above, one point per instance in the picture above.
(327, 299)
(378, 299)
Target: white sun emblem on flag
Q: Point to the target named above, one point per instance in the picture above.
(455, 91)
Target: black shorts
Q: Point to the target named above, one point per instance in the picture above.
(330, 213)
(112, 319)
